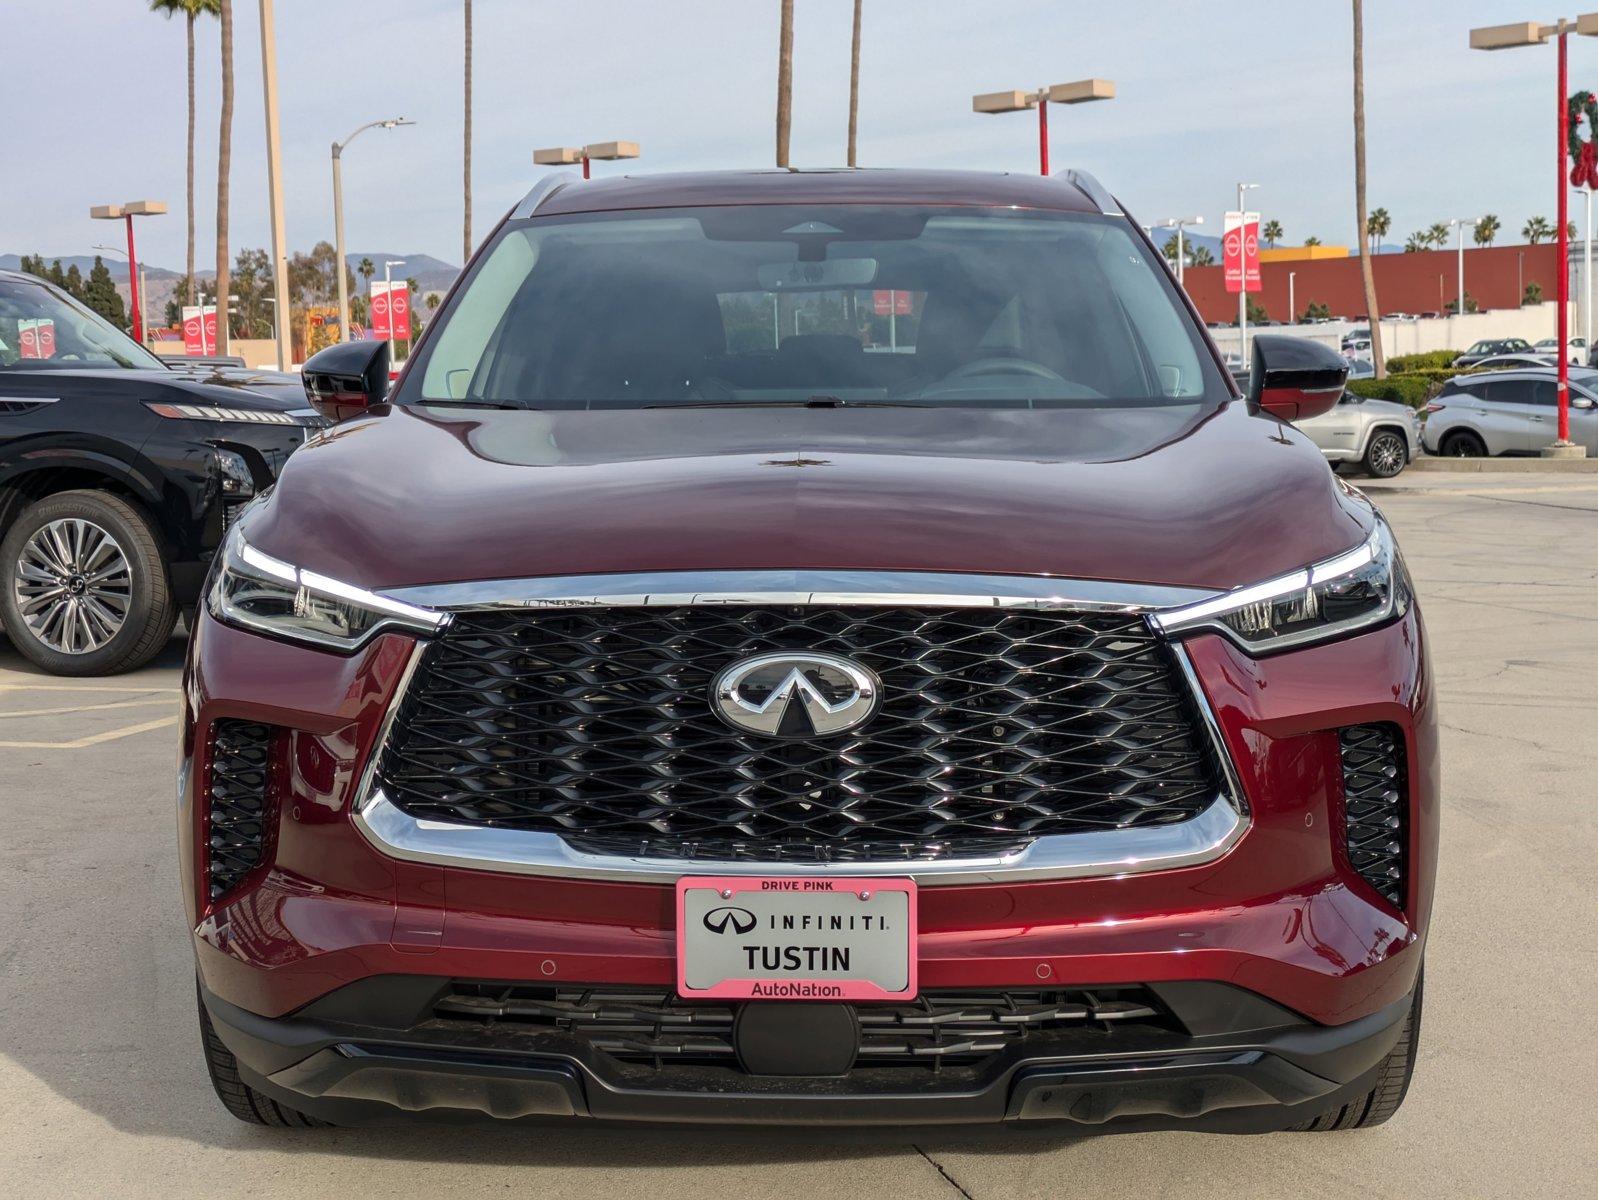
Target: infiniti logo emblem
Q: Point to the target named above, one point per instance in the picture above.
(795, 695)
(739, 920)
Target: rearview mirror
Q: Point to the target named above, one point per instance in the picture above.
(1293, 378)
(346, 379)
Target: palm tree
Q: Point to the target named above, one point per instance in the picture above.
(854, 83)
(1272, 233)
(1199, 256)
(1537, 228)
(1436, 234)
(367, 268)
(466, 169)
(1312, 241)
(1487, 229)
(224, 164)
(1362, 215)
(784, 82)
(1377, 226)
(1415, 242)
(191, 10)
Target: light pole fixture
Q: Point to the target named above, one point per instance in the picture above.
(144, 291)
(338, 217)
(388, 299)
(274, 187)
(1242, 289)
(1459, 224)
(565, 156)
(1292, 302)
(1178, 224)
(1082, 91)
(126, 212)
(1535, 33)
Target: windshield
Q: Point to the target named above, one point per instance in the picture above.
(41, 329)
(846, 304)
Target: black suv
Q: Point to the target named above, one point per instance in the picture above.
(118, 477)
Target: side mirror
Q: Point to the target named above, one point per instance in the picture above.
(1293, 378)
(346, 379)
(1581, 402)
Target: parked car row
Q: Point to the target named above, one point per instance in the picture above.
(1509, 412)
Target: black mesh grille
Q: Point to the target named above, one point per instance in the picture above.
(1375, 805)
(996, 726)
(641, 1025)
(239, 799)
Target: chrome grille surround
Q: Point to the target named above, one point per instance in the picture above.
(1205, 828)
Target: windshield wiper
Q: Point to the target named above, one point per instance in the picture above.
(470, 404)
(812, 402)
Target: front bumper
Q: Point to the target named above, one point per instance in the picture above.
(1254, 1068)
(1280, 915)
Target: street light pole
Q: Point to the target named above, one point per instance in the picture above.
(126, 213)
(1459, 224)
(1534, 33)
(1292, 303)
(338, 218)
(1082, 91)
(388, 299)
(1242, 283)
(1177, 224)
(274, 183)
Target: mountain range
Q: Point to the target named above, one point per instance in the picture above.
(431, 274)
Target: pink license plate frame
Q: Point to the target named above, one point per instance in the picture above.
(824, 989)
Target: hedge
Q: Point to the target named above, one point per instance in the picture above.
(1413, 389)
(1403, 364)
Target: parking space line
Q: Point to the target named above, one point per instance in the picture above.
(80, 708)
(21, 683)
(110, 735)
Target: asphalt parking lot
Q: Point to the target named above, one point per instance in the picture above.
(102, 1090)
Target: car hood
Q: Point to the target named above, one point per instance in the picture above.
(1178, 496)
(228, 388)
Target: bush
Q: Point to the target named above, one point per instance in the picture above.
(1411, 389)
(1402, 364)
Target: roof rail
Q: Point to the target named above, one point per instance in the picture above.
(541, 191)
(1093, 190)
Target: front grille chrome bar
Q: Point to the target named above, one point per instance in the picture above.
(1109, 852)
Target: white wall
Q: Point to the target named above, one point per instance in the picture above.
(1533, 323)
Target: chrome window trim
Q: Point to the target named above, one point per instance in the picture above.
(1102, 853)
(541, 191)
(1106, 853)
(927, 589)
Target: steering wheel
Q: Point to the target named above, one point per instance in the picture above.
(1004, 366)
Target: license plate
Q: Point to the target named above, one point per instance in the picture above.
(796, 938)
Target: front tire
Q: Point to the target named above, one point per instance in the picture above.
(238, 1097)
(83, 585)
(1387, 454)
(1392, 1081)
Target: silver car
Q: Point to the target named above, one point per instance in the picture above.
(1510, 412)
(1378, 434)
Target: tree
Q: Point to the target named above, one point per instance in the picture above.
(1533, 293)
(1312, 241)
(1199, 256)
(1316, 311)
(224, 166)
(1437, 234)
(367, 268)
(466, 138)
(784, 81)
(1416, 242)
(1362, 214)
(1470, 305)
(1536, 229)
(1272, 233)
(1487, 229)
(252, 294)
(1377, 226)
(854, 84)
(74, 282)
(1257, 315)
(101, 294)
(191, 10)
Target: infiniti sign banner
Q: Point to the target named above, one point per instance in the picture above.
(770, 938)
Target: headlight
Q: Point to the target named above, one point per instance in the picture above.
(255, 591)
(1366, 586)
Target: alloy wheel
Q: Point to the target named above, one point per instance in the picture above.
(1386, 455)
(73, 586)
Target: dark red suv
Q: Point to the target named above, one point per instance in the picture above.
(812, 647)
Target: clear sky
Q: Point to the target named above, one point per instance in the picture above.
(92, 93)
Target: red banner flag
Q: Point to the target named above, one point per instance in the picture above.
(395, 298)
(199, 330)
(37, 338)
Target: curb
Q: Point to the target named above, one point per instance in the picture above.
(1498, 466)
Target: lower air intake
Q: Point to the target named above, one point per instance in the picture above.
(1375, 806)
(239, 802)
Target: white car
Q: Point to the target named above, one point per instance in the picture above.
(1575, 349)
